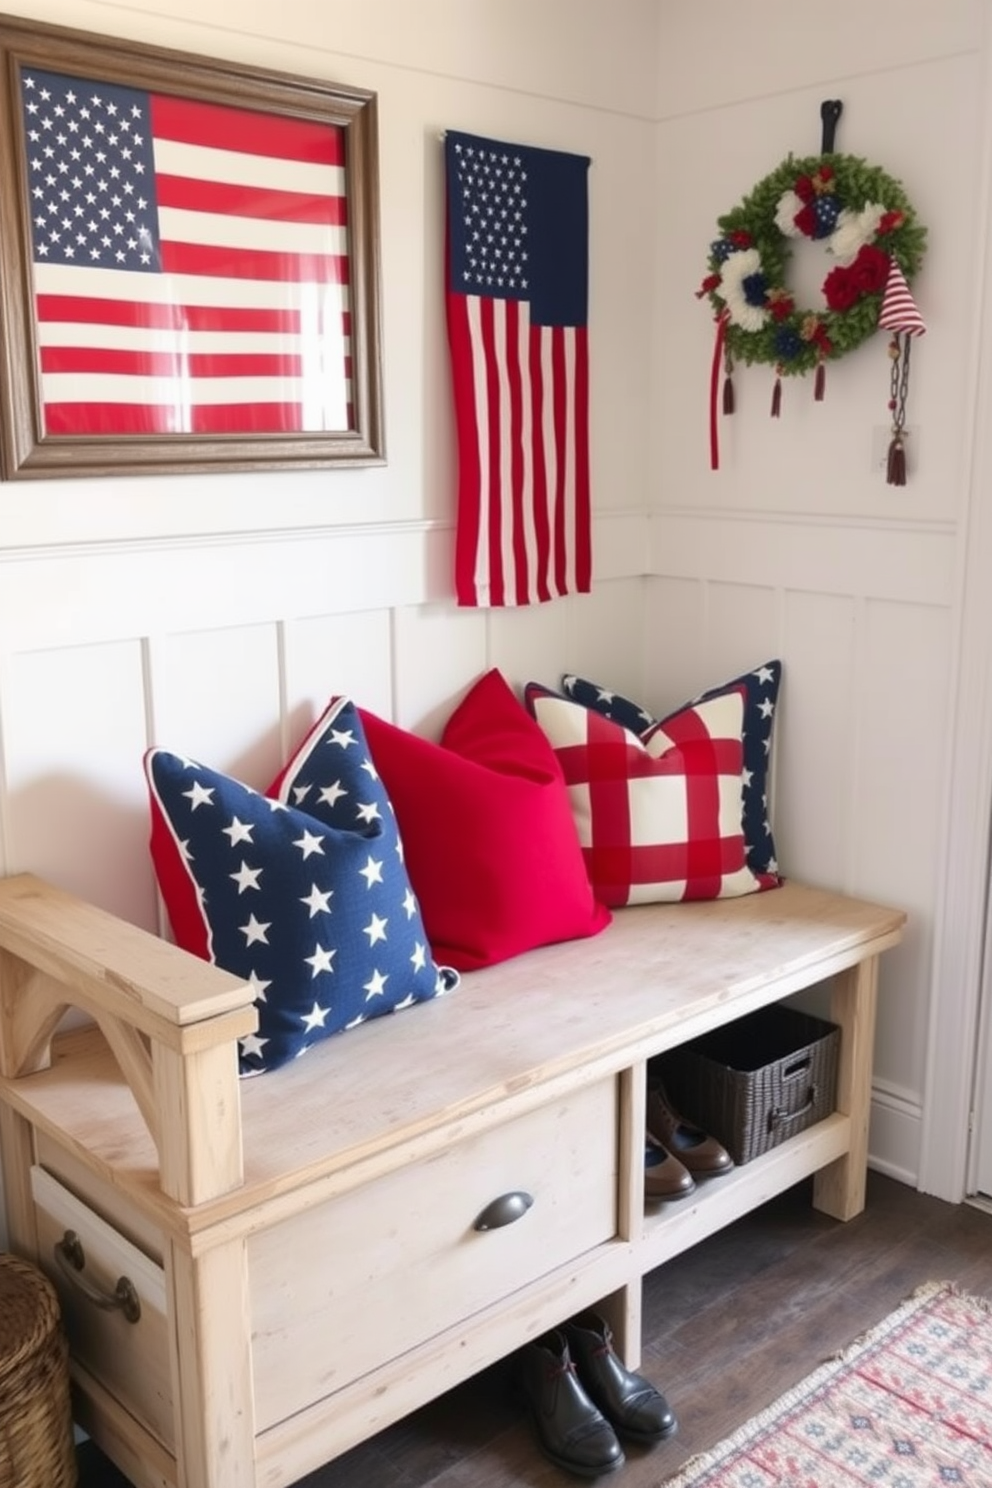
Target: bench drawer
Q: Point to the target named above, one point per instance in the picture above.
(341, 1289)
(129, 1358)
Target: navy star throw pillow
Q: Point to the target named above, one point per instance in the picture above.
(319, 915)
(760, 689)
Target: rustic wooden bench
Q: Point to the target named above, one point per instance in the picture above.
(258, 1274)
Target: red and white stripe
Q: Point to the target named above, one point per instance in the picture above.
(899, 312)
(521, 403)
(247, 328)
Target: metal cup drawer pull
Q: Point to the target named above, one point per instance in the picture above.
(507, 1209)
(71, 1260)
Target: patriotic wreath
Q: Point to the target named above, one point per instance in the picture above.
(863, 218)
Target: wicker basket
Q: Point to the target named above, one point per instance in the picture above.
(755, 1082)
(36, 1445)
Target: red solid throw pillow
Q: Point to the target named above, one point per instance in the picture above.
(488, 835)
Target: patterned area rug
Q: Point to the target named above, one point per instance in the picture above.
(908, 1405)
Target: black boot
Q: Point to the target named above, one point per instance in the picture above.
(570, 1429)
(630, 1401)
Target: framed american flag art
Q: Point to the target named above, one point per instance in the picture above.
(189, 263)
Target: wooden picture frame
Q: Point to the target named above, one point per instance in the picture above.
(189, 263)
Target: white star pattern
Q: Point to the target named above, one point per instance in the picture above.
(238, 831)
(246, 878)
(91, 172)
(255, 932)
(252, 1045)
(376, 985)
(315, 1018)
(332, 906)
(321, 960)
(376, 929)
(494, 190)
(258, 987)
(199, 795)
(309, 844)
(318, 901)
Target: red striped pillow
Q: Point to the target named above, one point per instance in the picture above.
(658, 815)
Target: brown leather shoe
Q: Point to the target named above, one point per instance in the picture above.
(571, 1430)
(629, 1400)
(664, 1176)
(695, 1149)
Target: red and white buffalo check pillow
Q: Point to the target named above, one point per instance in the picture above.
(658, 815)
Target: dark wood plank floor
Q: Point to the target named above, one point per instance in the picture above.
(727, 1328)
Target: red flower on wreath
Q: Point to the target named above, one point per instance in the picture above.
(839, 289)
(890, 222)
(870, 269)
(846, 284)
(813, 329)
(780, 304)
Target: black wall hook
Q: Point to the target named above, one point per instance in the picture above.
(830, 112)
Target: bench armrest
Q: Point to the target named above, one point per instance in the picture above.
(171, 1020)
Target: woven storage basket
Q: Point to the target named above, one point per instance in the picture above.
(755, 1082)
(36, 1445)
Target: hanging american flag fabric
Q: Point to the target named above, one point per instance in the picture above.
(190, 265)
(517, 261)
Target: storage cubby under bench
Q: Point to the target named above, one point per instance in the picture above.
(299, 1251)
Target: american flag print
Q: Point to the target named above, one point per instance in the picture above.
(190, 264)
(517, 285)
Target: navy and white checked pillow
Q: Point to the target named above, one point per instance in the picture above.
(761, 688)
(319, 915)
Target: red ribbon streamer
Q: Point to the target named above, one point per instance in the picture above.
(721, 332)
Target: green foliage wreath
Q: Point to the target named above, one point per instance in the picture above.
(864, 219)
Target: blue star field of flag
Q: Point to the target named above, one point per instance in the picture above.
(91, 173)
(518, 226)
(316, 912)
(492, 182)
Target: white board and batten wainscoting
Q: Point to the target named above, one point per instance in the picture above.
(216, 614)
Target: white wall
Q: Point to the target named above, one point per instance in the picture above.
(215, 614)
(797, 546)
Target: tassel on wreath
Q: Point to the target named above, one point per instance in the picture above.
(777, 398)
(728, 395)
(895, 473)
(820, 381)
